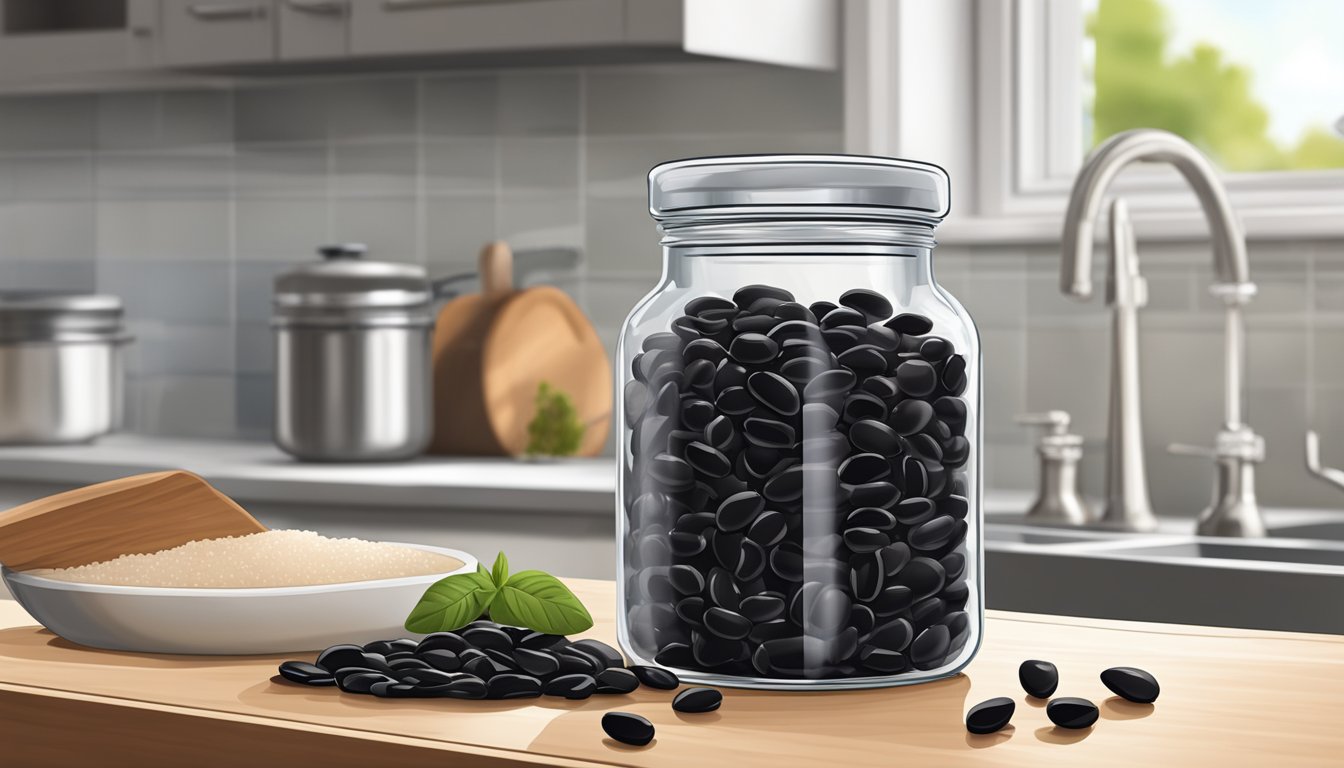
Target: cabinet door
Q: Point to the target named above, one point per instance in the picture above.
(204, 32)
(314, 29)
(465, 26)
(45, 38)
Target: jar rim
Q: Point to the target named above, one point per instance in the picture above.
(783, 187)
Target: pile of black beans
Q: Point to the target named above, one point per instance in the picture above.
(483, 660)
(795, 489)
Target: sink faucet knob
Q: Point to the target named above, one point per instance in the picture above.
(1057, 497)
(1235, 510)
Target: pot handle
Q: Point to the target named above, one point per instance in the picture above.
(496, 265)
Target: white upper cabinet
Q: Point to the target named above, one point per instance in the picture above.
(392, 27)
(212, 32)
(314, 29)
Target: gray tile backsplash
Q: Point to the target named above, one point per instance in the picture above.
(187, 203)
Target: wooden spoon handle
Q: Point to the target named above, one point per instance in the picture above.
(496, 263)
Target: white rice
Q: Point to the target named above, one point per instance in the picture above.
(266, 559)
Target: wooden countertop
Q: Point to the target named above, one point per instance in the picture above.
(1229, 697)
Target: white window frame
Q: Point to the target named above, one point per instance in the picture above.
(1020, 117)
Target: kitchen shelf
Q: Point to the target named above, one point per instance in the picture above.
(259, 472)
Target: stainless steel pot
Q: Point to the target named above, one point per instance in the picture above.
(352, 359)
(61, 369)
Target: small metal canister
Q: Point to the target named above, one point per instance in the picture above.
(61, 369)
(352, 358)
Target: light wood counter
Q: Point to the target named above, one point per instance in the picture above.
(1229, 698)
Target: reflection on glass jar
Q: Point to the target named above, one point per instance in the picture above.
(799, 497)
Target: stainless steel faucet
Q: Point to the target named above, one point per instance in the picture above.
(1234, 511)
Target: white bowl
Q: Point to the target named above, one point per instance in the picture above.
(263, 620)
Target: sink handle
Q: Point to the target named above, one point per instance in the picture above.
(1334, 477)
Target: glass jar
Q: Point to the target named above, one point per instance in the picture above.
(799, 491)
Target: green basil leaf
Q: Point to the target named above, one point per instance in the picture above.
(500, 573)
(452, 603)
(539, 601)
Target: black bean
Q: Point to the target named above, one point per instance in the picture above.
(954, 565)
(537, 663)
(511, 686)
(865, 539)
(655, 677)
(722, 590)
(894, 635)
(616, 680)
(872, 304)
(863, 468)
(769, 433)
(874, 436)
(910, 324)
(753, 348)
(441, 659)
(866, 577)
(393, 690)
(876, 494)
(923, 576)
(685, 579)
(829, 608)
(786, 561)
(407, 662)
(935, 348)
(753, 324)
(956, 594)
(484, 667)
(1038, 678)
(773, 629)
(707, 461)
(951, 409)
(956, 453)
(914, 477)
(362, 681)
(932, 534)
(307, 674)
(745, 296)
(694, 700)
(883, 338)
(768, 529)
(894, 557)
(1131, 683)
(1071, 712)
(727, 549)
(675, 655)
(842, 316)
(914, 510)
(916, 378)
(711, 651)
(338, 656)
(774, 392)
(752, 562)
(910, 416)
(927, 612)
(954, 506)
(954, 375)
(703, 303)
(671, 472)
(930, 647)
(990, 716)
(925, 447)
(830, 383)
(861, 405)
(727, 624)
(761, 608)
(864, 359)
(785, 486)
(728, 374)
(883, 661)
(691, 610)
(571, 686)
(735, 401)
(795, 329)
(608, 656)
(628, 728)
(870, 517)
(792, 310)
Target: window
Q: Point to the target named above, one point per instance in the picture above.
(1258, 86)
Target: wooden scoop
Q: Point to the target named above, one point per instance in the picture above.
(133, 515)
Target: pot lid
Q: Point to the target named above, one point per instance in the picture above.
(345, 279)
(56, 315)
(773, 186)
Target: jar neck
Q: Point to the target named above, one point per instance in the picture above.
(703, 251)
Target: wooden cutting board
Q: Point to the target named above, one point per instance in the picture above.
(493, 349)
(1230, 697)
(131, 515)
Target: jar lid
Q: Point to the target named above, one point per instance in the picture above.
(841, 186)
(59, 316)
(344, 284)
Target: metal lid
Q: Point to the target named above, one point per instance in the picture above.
(57, 316)
(346, 287)
(816, 186)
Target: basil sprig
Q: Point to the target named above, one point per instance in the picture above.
(532, 599)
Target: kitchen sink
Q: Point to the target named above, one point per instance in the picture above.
(1205, 549)
(1330, 530)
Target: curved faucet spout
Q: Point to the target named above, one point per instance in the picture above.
(1101, 168)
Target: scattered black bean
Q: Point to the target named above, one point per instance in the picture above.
(655, 677)
(616, 680)
(1039, 678)
(1070, 712)
(571, 686)
(694, 700)
(990, 716)
(307, 674)
(1131, 683)
(628, 728)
